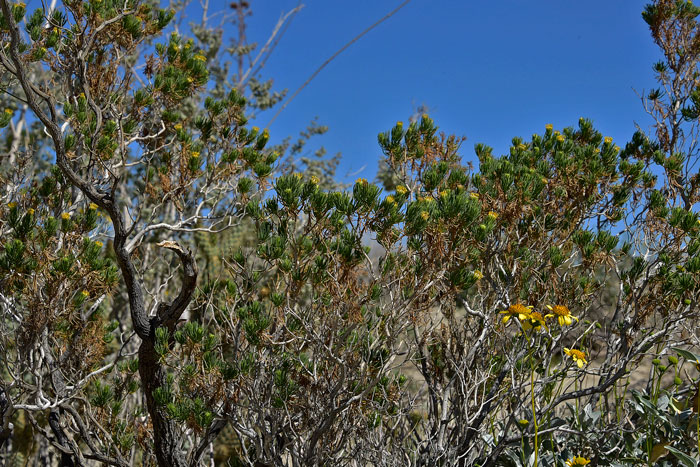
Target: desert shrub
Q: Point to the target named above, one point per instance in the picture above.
(539, 309)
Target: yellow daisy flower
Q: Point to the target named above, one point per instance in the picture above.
(519, 310)
(30, 211)
(578, 460)
(65, 216)
(562, 313)
(12, 205)
(608, 139)
(99, 244)
(93, 206)
(477, 274)
(578, 356)
(534, 321)
(548, 127)
(390, 199)
(493, 215)
(361, 181)
(561, 138)
(315, 180)
(425, 215)
(474, 195)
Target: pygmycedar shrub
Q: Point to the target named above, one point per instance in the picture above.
(465, 317)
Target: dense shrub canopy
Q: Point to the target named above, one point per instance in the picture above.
(176, 292)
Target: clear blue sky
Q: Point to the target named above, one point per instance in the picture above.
(488, 70)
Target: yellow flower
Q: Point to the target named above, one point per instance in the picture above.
(93, 206)
(315, 180)
(12, 205)
(562, 313)
(65, 216)
(616, 148)
(493, 215)
(477, 274)
(85, 293)
(190, 79)
(556, 133)
(390, 199)
(544, 180)
(444, 193)
(361, 181)
(561, 138)
(474, 195)
(523, 422)
(548, 127)
(178, 126)
(99, 244)
(298, 175)
(428, 200)
(30, 211)
(195, 154)
(534, 321)
(596, 150)
(399, 124)
(580, 359)
(519, 310)
(607, 139)
(402, 190)
(8, 111)
(522, 146)
(425, 215)
(578, 460)
(200, 57)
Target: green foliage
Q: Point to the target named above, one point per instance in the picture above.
(490, 315)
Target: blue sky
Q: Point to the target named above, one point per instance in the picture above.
(486, 70)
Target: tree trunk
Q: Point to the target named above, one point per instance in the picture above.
(165, 438)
